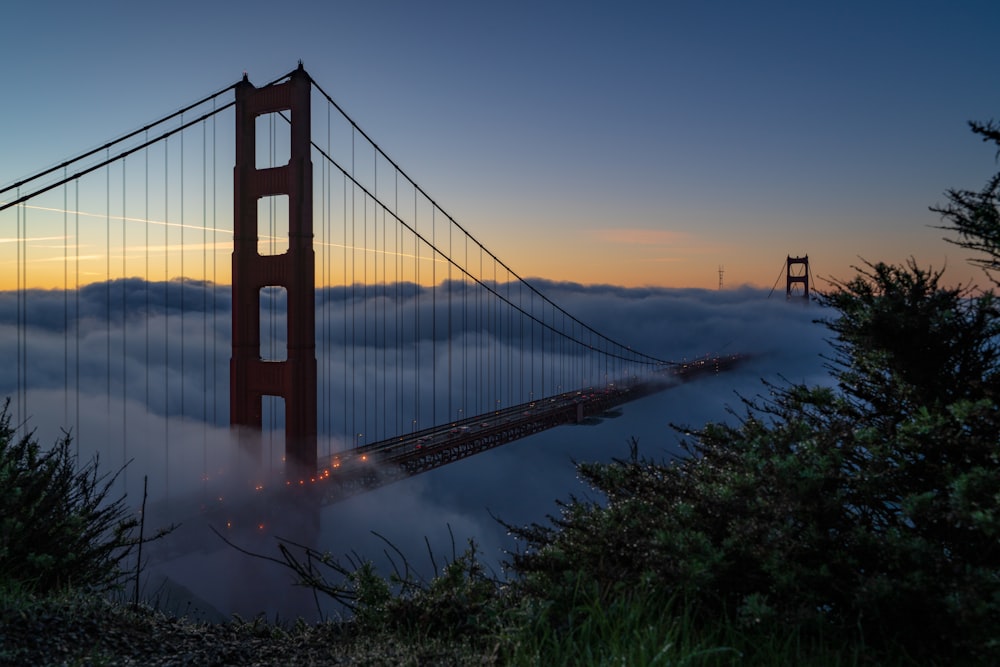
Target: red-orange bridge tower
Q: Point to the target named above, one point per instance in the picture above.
(251, 377)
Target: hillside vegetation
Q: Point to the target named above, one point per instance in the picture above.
(856, 524)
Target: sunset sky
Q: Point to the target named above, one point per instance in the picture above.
(628, 143)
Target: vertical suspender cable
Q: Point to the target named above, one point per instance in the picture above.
(326, 294)
(373, 343)
(107, 284)
(552, 354)
(466, 285)
(377, 434)
(204, 301)
(385, 328)
(181, 282)
(532, 323)
(21, 210)
(323, 372)
(65, 190)
(215, 279)
(434, 404)
(166, 311)
(145, 275)
(354, 282)
(398, 309)
(22, 324)
(451, 377)
(519, 396)
(416, 311)
(124, 342)
(480, 348)
(344, 315)
(509, 342)
(364, 314)
(498, 335)
(24, 315)
(76, 320)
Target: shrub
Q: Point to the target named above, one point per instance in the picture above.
(869, 510)
(58, 527)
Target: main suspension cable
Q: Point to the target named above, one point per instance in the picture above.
(417, 188)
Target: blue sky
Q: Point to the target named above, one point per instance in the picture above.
(629, 143)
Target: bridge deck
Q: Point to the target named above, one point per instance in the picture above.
(376, 464)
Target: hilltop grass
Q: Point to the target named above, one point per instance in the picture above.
(74, 629)
(648, 630)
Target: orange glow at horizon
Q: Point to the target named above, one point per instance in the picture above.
(98, 256)
(629, 257)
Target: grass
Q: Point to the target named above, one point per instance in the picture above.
(648, 630)
(641, 629)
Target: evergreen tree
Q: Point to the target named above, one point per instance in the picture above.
(870, 509)
(59, 527)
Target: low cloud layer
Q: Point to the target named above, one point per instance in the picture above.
(150, 386)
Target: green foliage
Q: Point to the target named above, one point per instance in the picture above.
(867, 512)
(975, 214)
(462, 600)
(58, 528)
(904, 342)
(373, 594)
(642, 629)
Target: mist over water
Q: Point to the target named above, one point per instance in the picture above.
(176, 435)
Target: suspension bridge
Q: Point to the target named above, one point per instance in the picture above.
(254, 266)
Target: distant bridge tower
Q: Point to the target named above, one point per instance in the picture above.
(797, 273)
(250, 376)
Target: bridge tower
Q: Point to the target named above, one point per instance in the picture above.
(250, 376)
(799, 275)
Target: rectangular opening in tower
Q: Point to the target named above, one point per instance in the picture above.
(272, 225)
(273, 134)
(273, 432)
(273, 324)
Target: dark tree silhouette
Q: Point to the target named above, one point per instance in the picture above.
(975, 214)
